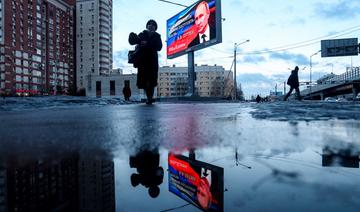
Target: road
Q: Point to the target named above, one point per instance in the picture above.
(287, 156)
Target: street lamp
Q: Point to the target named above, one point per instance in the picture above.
(311, 66)
(235, 84)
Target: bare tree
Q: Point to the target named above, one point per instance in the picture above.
(240, 93)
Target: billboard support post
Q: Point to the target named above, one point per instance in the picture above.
(191, 74)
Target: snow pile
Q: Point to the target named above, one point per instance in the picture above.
(31, 103)
(307, 111)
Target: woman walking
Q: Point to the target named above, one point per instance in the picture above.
(148, 44)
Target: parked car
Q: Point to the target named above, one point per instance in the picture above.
(357, 98)
(330, 99)
(341, 99)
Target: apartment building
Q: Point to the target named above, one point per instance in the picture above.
(172, 81)
(36, 46)
(1, 21)
(93, 40)
(211, 81)
(2, 49)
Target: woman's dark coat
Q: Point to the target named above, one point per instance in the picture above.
(293, 80)
(148, 65)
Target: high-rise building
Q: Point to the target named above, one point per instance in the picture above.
(2, 49)
(93, 40)
(1, 21)
(36, 46)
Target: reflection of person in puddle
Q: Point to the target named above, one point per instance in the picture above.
(203, 192)
(150, 174)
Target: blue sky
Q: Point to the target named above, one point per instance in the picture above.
(268, 24)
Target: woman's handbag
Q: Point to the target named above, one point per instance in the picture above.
(134, 56)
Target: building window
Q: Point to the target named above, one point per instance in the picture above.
(98, 88)
(112, 88)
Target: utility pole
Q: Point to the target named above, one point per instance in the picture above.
(235, 83)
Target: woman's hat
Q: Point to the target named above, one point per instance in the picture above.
(151, 21)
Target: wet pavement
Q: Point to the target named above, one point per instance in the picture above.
(294, 156)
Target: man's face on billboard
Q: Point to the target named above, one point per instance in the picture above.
(204, 194)
(202, 14)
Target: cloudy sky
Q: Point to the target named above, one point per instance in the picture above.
(293, 28)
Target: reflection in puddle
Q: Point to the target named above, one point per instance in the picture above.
(198, 183)
(149, 173)
(61, 182)
(343, 157)
(267, 165)
(277, 175)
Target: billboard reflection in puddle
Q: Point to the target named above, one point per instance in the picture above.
(199, 183)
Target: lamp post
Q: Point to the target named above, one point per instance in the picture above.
(235, 84)
(311, 67)
(284, 88)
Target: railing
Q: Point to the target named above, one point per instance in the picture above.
(353, 74)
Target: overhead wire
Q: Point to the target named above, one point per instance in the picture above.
(295, 45)
(356, 28)
(282, 48)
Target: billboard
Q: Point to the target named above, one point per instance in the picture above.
(339, 47)
(196, 27)
(198, 183)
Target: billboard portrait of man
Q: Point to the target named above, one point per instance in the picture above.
(197, 24)
(205, 31)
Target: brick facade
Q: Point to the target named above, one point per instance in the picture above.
(38, 48)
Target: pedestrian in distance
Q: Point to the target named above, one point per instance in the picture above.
(293, 82)
(148, 43)
(127, 92)
(258, 99)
